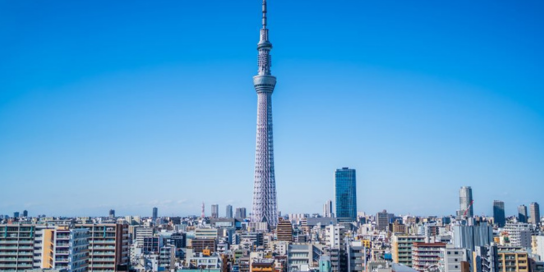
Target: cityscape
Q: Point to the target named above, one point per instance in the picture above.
(444, 195)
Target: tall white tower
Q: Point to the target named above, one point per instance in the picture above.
(264, 190)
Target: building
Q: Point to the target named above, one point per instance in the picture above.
(338, 259)
(215, 211)
(426, 256)
(465, 203)
(469, 237)
(21, 246)
(519, 234)
(327, 209)
(534, 210)
(334, 236)
(499, 217)
(355, 255)
(512, 259)
(522, 214)
(167, 257)
(198, 245)
(155, 215)
(299, 257)
(325, 264)
(346, 195)
(152, 245)
(382, 220)
(207, 233)
(65, 248)
(537, 245)
(485, 259)
(108, 247)
(112, 214)
(264, 190)
(451, 258)
(262, 265)
(228, 211)
(284, 231)
(142, 232)
(401, 248)
(240, 213)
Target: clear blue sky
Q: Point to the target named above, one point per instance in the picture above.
(134, 104)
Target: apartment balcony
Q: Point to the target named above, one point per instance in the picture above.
(105, 260)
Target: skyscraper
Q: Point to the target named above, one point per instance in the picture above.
(112, 213)
(215, 211)
(228, 212)
(240, 213)
(498, 213)
(264, 190)
(346, 195)
(465, 202)
(534, 209)
(327, 209)
(155, 214)
(522, 214)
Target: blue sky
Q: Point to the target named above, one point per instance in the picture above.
(135, 104)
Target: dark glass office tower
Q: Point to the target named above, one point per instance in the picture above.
(534, 209)
(498, 213)
(522, 214)
(346, 195)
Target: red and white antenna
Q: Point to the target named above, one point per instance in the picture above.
(203, 215)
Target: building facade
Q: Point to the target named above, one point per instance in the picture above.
(215, 211)
(522, 214)
(228, 212)
(108, 247)
(499, 217)
(465, 202)
(345, 192)
(534, 209)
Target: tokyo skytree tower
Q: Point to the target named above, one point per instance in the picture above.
(264, 190)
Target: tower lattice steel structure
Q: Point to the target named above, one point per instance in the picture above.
(264, 190)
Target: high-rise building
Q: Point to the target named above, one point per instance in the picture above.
(327, 209)
(346, 195)
(499, 217)
(264, 190)
(155, 214)
(469, 237)
(465, 202)
(284, 231)
(228, 212)
(240, 213)
(534, 210)
(65, 248)
(21, 246)
(108, 247)
(25, 213)
(401, 247)
(382, 220)
(215, 211)
(112, 213)
(522, 214)
(519, 234)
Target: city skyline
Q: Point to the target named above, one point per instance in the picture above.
(99, 106)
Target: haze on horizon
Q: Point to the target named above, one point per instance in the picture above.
(108, 105)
